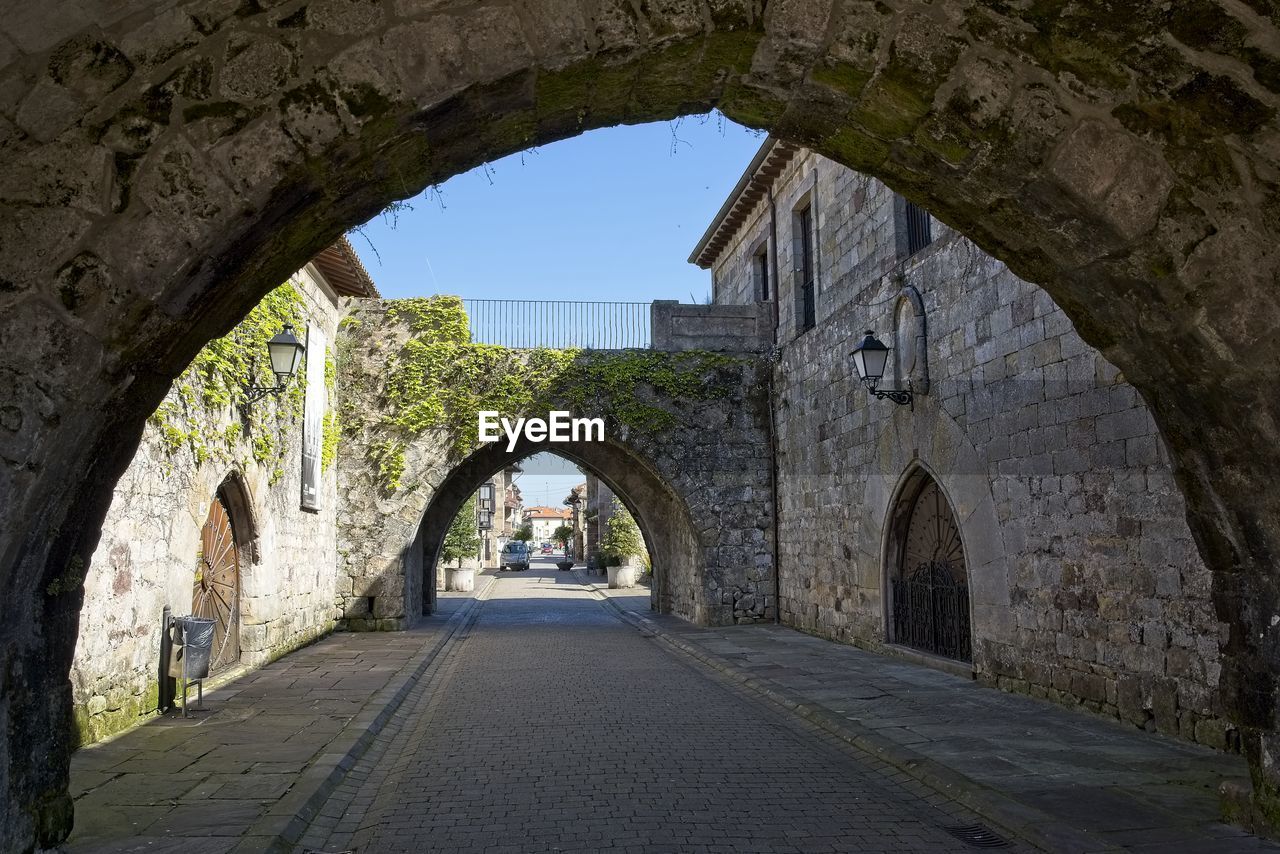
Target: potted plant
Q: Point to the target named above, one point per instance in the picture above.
(562, 536)
(621, 547)
(461, 543)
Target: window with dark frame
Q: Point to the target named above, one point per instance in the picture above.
(761, 264)
(804, 247)
(919, 233)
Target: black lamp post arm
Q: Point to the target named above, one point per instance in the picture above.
(900, 396)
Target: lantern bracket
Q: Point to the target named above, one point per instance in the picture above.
(900, 396)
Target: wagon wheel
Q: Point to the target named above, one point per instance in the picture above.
(216, 592)
(933, 537)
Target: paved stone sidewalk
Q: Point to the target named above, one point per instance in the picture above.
(1067, 779)
(551, 725)
(271, 745)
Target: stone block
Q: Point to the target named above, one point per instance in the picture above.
(1127, 424)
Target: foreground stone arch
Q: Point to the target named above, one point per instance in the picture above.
(165, 165)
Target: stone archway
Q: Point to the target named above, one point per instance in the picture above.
(166, 165)
(686, 444)
(926, 571)
(664, 516)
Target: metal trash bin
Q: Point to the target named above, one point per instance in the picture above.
(190, 650)
(195, 636)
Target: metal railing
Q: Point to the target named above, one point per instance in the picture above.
(525, 324)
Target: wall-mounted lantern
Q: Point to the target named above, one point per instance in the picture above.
(870, 358)
(286, 352)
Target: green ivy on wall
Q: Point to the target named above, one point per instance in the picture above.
(441, 380)
(331, 427)
(193, 416)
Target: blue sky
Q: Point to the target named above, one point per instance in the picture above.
(609, 215)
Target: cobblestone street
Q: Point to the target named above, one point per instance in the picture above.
(551, 725)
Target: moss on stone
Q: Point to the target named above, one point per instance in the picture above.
(750, 106)
(365, 101)
(859, 150)
(123, 712)
(945, 146)
(70, 579)
(842, 77)
(891, 108)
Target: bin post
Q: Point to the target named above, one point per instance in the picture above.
(165, 689)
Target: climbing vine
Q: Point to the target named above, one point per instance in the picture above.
(193, 417)
(331, 426)
(440, 379)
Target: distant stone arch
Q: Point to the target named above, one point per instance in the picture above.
(663, 516)
(695, 469)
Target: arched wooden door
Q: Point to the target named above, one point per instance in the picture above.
(216, 591)
(930, 587)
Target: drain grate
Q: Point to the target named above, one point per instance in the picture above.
(977, 836)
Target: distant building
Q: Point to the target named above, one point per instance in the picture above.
(505, 515)
(597, 510)
(545, 520)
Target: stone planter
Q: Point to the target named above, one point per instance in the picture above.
(461, 580)
(564, 565)
(624, 576)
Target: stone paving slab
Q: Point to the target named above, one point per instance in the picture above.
(252, 769)
(1063, 779)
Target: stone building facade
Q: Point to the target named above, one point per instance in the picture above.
(597, 508)
(1042, 469)
(223, 482)
(504, 516)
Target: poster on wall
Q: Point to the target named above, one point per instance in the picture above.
(313, 418)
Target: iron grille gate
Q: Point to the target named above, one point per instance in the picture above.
(931, 611)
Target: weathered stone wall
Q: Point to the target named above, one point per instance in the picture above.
(1085, 580)
(699, 486)
(147, 556)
